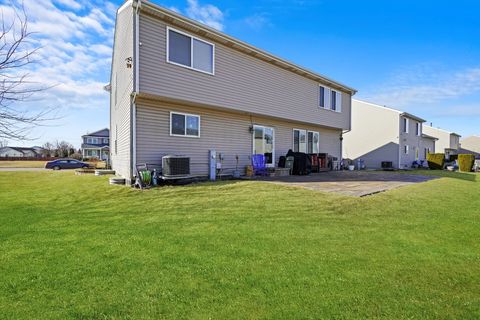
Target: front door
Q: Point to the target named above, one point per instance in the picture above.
(263, 143)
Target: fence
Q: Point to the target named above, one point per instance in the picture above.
(27, 158)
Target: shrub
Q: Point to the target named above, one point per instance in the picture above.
(466, 162)
(436, 161)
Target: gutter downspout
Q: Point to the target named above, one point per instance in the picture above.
(136, 85)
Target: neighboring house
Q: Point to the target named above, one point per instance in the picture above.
(380, 134)
(470, 144)
(179, 87)
(96, 145)
(18, 152)
(448, 142)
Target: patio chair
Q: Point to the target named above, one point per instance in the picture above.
(259, 165)
(289, 163)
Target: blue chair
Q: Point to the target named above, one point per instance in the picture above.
(259, 165)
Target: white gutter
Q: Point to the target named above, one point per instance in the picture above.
(136, 87)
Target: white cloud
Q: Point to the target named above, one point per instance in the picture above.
(75, 40)
(208, 14)
(257, 21)
(424, 85)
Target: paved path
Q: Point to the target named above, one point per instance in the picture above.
(20, 169)
(352, 183)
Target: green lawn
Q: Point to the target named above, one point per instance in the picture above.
(73, 247)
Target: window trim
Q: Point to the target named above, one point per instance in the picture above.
(419, 129)
(269, 165)
(191, 51)
(185, 114)
(318, 142)
(328, 106)
(406, 125)
(293, 139)
(406, 149)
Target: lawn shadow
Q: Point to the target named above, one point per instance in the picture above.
(447, 174)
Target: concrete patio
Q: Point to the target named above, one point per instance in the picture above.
(351, 183)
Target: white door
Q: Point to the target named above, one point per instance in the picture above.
(264, 143)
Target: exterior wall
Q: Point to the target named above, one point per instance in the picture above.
(241, 82)
(413, 141)
(374, 136)
(471, 143)
(454, 142)
(426, 143)
(444, 142)
(120, 94)
(227, 133)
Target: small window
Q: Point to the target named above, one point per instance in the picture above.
(184, 125)
(405, 125)
(419, 129)
(190, 52)
(322, 97)
(334, 100)
(406, 149)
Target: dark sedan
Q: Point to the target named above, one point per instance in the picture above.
(66, 164)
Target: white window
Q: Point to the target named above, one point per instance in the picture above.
(406, 149)
(330, 99)
(89, 140)
(299, 140)
(419, 129)
(182, 124)
(190, 52)
(405, 125)
(313, 139)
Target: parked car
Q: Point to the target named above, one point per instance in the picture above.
(66, 164)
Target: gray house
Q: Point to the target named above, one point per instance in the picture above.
(380, 134)
(179, 87)
(447, 142)
(96, 145)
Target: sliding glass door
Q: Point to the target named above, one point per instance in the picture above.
(263, 143)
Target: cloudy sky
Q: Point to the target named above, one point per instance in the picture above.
(418, 56)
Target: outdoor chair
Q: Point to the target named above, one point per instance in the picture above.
(259, 165)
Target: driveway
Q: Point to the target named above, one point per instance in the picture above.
(352, 183)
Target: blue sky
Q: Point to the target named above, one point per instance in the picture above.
(418, 56)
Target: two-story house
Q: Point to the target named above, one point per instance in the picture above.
(179, 87)
(448, 142)
(380, 134)
(96, 145)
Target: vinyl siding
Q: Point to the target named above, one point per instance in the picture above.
(241, 82)
(226, 132)
(122, 82)
(445, 139)
(412, 140)
(374, 136)
(471, 143)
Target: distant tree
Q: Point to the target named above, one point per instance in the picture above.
(63, 148)
(48, 149)
(16, 54)
(3, 143)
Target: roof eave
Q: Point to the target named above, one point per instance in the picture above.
(259, 53)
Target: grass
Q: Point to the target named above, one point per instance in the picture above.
(39, 164)
(73, 247)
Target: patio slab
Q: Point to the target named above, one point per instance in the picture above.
(351, 183)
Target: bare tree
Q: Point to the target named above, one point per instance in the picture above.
(16, 54)
(48, 149)
(63, 148)
(3, 143)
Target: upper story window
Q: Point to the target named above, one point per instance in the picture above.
(419, 129)
(190, 52)
(105, 140)
(330, 99)
(405, 125)
(182, 124)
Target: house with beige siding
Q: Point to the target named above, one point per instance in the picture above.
(448, 142)
(471, 145)
(381, 134)
(179, 87)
